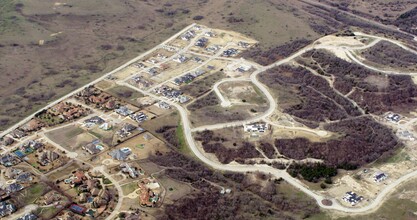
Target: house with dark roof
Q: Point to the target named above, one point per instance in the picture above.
(92, 148)
(17, 133)
(9, 160)
(379, 177)
(28, 216)
(47, 157)
(25, 177)
(14, 187)
(7, 141)
(120, 154)
(95, 120)
(123, 111)
(6, 208)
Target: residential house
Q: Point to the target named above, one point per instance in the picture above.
(210, 34)
(230, 52)
(95, 120)
(7, 141)
(47, 157)
(78, 178)
(14, 187)
(259, 127)
(9, 160)
(6, 208)
(123, 111)
(103, 198)
(34, 144)
(153, 71)
(105, 126)
(180, 59)
(132, 171)
(17, 133)
(25, 177)
(243, 44)
(163, 105)
(126, 130)
(32, 125)
(28, 216)
(188, 35)
(120, 154)
(139, 117)
(379, 177)
(51, 197)
(352, 198)
(110, 105)
(92, 148)
(202, 42)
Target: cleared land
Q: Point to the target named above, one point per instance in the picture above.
(244, 93)
(70, 137)
(207, 110)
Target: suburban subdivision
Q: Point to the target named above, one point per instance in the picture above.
(191, 120)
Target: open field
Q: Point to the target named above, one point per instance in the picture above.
(31, 194)
(70, 137)
(175, 190)
(126, 94)
(207, 110)
(64, 172)
(46, 212)
(242, 93)
(143, 148)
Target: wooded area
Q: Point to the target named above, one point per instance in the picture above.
(363, 140)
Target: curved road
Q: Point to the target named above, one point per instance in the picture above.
(265, 168)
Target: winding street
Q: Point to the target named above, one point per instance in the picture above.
(371, 206)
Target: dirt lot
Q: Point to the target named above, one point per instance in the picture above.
(206, 110)
(174, 189)
(31, 194)
(104, 84)
(70, 137)
(126, 94)
(64, 172)
(244, 93)
(143, 148)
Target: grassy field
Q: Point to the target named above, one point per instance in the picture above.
(183, 146)
(129, 188)
(31, 194)
(125, 93)
(46, 212)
